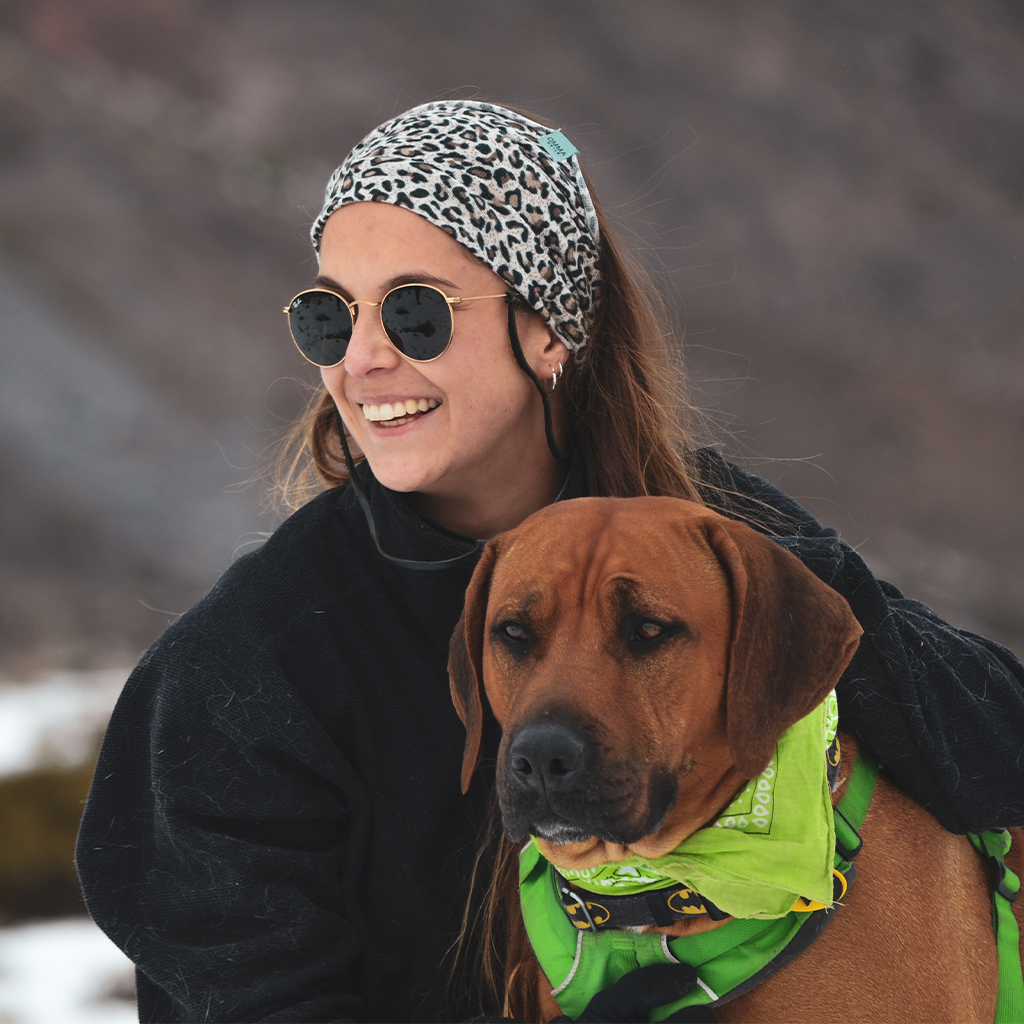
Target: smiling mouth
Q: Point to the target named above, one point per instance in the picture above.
(396, 414)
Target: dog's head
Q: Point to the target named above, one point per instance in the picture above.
(642, 657)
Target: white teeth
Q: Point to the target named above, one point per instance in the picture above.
(397, 410)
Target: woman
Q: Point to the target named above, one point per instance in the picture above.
(275, 829)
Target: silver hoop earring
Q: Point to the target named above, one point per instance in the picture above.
(555, 378)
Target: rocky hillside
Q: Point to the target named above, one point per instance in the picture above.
(831, 195)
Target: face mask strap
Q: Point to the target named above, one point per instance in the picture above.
(405, 563)
(514, 302)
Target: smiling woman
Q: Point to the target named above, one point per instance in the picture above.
(477, 460)
(276, 829)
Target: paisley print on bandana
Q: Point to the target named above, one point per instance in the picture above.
(479, 172)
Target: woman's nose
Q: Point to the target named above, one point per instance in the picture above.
(369, 348)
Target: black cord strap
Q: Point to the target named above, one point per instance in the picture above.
(405, 563)
(514, 303)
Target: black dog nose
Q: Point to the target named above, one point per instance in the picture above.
(546, 756)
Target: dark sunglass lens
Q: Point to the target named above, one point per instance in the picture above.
(418, 321)
(321, 326)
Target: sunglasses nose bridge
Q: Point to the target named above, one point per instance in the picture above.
(369, 348)
(353, 308)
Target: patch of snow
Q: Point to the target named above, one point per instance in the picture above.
(56, 720)
(64, 971)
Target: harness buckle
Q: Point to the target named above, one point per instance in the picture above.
(847, 852)
(990, 846)
(998, 868)
(569, 905)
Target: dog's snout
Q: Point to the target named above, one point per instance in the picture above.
(546, 757)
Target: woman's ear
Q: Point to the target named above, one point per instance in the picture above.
(555, 360)
(543, 349)
(556, 353)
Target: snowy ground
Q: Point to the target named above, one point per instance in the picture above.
(55, 720)
(63, 971)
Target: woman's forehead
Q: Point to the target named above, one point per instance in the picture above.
(390, 235)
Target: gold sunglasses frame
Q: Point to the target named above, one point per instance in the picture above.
(353, 312)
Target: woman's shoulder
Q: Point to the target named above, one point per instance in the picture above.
(740, 494)
(312, 560)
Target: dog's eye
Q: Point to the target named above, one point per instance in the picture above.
(514, 637)
(645, 636)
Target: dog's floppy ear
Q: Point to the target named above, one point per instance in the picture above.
(792, 637)
(466, 662)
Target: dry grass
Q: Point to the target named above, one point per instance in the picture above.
(40, 812)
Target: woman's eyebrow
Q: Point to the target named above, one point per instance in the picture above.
(327, 282)
(401, 279)
(393, 282)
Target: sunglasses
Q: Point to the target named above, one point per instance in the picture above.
(417, 318)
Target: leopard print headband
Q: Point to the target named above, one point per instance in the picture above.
(509, 189)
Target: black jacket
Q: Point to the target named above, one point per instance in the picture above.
(276, 832)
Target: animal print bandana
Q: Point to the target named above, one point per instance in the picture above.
(509, 189)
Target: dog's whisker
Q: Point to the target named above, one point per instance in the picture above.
(690, 769)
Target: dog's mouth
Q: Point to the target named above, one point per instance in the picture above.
(558, 780)
(620, 826)
(560, 832)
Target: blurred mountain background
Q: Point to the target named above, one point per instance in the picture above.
(829, 192)
(832, 194)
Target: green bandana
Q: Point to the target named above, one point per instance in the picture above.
(772, 845)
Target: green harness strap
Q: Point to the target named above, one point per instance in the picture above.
(853, 808)
(730, 959)
(994, 846)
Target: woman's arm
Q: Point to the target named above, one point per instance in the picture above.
(942, 707)
(214, 845)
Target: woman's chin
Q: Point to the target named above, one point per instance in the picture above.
(394, 476)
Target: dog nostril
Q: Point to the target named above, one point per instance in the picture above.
(544, 754)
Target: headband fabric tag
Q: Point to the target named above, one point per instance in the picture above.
(558, 146)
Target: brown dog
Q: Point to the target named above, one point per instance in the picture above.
(643, 657)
